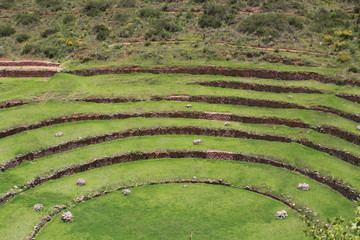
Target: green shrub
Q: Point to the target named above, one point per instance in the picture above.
(125, 3)
(270, 24)
(6, 4)
(67, 19)
(214, 15)
(102, 32)
(281, 5)
(209, 21)
(22, 37)
(323, 21)
(121, 18)
(354, 69)
(343, 58)
(6, 30)
(54, 5)
(149, 13)
(31, 49)
(51, 52)
(94, 7)
(48, 32)
(146, 44)
(27, 18)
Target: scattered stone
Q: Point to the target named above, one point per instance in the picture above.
(188, 106)
(358, 127)
(38, 207)
(304, 186)
(186, 186)
(197, 142)
(80, 199)
(67, 216)
(59, 134)
(81, 182)
(226, 124)
(126, 192)
(281, 214)
(290, 96)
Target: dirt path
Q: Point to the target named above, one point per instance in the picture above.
(29, 64)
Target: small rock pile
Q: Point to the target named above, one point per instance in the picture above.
(304, 186)
(227, 124)
(126, 192)
(38, 207)
(81, 182)
(281, 214)
(67, 217)
(188, 106)
(59, 134)
(197, 142)
(80, 199)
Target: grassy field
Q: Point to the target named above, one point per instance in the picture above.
(64, 190)
(174, 212)
(135, 85)
(305, 137)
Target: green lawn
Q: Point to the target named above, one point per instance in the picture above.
(45, 137)
(292, 153)
(174, 212)
(18, 212)
(37, 112)
(66, 86)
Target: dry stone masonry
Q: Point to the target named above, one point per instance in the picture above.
(59, 134)
(197, 142)
(281, 214)
(38, 207)
(304, 186)
(67, 217)
(126, 192)
(81, 182)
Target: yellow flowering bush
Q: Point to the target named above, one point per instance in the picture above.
(73, 41)
(344, 34)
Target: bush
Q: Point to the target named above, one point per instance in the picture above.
(214, 15)
(48, 32)
(324, 21)
(125, 3)
(354, 69)
(270, 24)
(31, 49)
(209, 21)
(343, 58)
(22, 37)
(27, 18)
(6, 30)
(54, 5)
(6, 4)
(68, 19)
(94, 7)
(102, 32)
(121, 18)
(149, 13)
(283, 5)
(51, 52)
